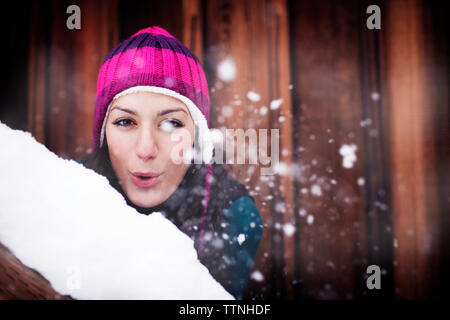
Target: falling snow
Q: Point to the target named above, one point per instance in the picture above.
(263, 110)
(253, 96)
(280, 207)
(281, 168)
(257, 276)
(217, 137)
(226, 70)
(361, 181)
(275, 104)
(316, 190)
(241, 238)
(382, 206)
(217, 243)
(227, 111)
(348, 155)
(366, 122)
(289, 229)
(375, 96)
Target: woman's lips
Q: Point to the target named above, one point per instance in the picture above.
(144, 180)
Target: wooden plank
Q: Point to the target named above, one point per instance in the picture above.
(377, 184)
(60, 86)
(37, 79)
(193, 27)
(97, 37)
(328, 111)
(415, 218)
(17, 281)
(64, 66)
(281, 119)
(253, 34)
(233, 36)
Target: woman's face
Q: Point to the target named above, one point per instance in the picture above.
(138, 133)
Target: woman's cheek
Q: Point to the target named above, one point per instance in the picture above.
(179, 144)
(119, 146)
(120, 142)
(165, 147)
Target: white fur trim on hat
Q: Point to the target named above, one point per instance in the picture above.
(204, 135)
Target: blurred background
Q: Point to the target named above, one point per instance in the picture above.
(376, 98)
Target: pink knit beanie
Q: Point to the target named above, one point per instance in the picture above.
(153, 60)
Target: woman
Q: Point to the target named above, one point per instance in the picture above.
(150, 128)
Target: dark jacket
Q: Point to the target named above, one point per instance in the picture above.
(232, 228)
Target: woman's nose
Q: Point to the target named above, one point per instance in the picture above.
(146, 145)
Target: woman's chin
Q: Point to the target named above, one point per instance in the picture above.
(144, 200)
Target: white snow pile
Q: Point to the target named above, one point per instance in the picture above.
(69, 224)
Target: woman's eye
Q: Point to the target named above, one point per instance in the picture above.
(170, 125)
(123, 122)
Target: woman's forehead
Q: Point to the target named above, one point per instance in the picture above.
(149, 101)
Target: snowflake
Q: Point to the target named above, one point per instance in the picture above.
(227, 70)
(316, 190)
(348, 154)
(275, 104)
(257, 275)
(289, 229)
(241, 238)
(253, 96)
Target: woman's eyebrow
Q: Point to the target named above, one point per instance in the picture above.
(160, 113)
(163, 112)
(124, 109)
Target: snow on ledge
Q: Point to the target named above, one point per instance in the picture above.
(69, 224)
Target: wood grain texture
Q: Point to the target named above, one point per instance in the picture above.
(17, 281)
(328, 110)
(254, 35)
(193, 27)
(385, 91)
(64, 66)
(37, 75)
(416, 220)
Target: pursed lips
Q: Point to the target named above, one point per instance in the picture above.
(141, 174)
(145, 179)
